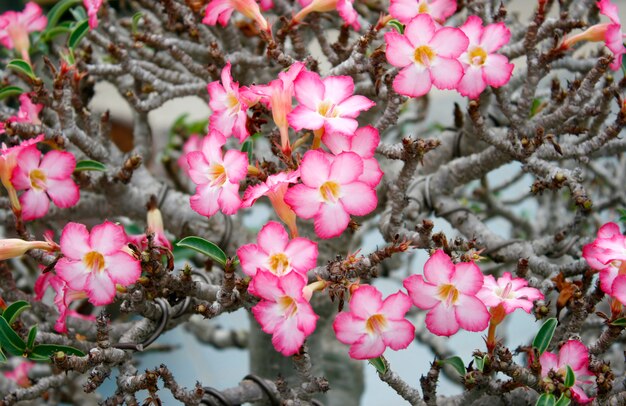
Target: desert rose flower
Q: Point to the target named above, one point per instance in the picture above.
(193, 143)
(372, 324)
(28, 112)
(217, 176)
(575, 354)
(64, 296)
(19, 374)
(448, 291)
(221, 10)
(427, 55)
(483, 67)
(95, 262)
(92, 7)
(511, 293)
(607, 253)
(331, 192)
(283, 311)
(15, 247)
(8, 162)
(406, 10)
(44, 179)
(344, 8)
(154, 226)
(274, 253)
(15, 27)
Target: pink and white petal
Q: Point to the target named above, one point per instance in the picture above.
(422, 294)
(72, 272)
(365, 141)
(236, 164)
(579, 395)
(609, 9)
(227, 79)
(365, 302)
(367, 347)
(396, 306)
(315, 169)
(302, 254)
(267, 286)
(609, 230)
(224, 122)
(471, 313)
(607, 277)
(473, 29)
(253, 193)
(442, 321)
(337, 142)
(251, 258)
(531, 294)
(287, 338)
(309, 89)
(240, 130)
(413, 81)
(467, 278)
(292, 284)
(510, 305)
(29, 159)
(228, 198)
(403, 10)
(307, 319)
(548, 362)
(345, 168)
(618, 289)
(20, 178)
(446, 73)
(331, 220)
(371, 172)
(75, 241)
(35, 204)
(449, 42)
(122, 268)
(272, 238)
(472, 83)
(205, 201)
(198, 167)
(348, 328)
(358, 198)
(58, 164)
(497, 70)
(442, 9)
(269, 315)
(303, 117)
(212, 146)
(217, 96)
(338, 88)
(64, 193)
(399, 50)
(399, 334)
(100, 288)
(494, 37)
(438, 270)
(107, 238)
(341, 125)
(575, 354)
(420, 30)
(305, 201)
(354, 105)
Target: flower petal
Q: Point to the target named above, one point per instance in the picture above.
(315, 168)
(423, 294)
(358, 198)
(75, 241)
(399, 335)
(345, 168)
(442, 321)
(305, 201)
(449, 42)
(64, 193)
(107, 238)
(72, 272)
(302, 254)
(348, 329)
(123, 268)
(331, 220)
(471, 313)
(35, 204)
(395, 306)
(309, 89)
(467, 278)
(439, 268)
(413, 81)
(100, 288)
(58, 164)
(367, 347)
(399, 50)
(446, 73)
(366, 301)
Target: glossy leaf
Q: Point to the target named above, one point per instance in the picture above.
(21, 66)
(621, 322)
(480, 362)
(379, 364)
(10, 340)
(570, 377)
(46, 350)
(54, 32)
(3, 358)
(397, 25)
(546, 399)
(32, 334)
(78, 33)
(205, 247)
(13, 311)
(56, 12)
(135, 21)
(456, 363)
(247, 147)
(563, 401)
(88, 165)
(9, 91)
(544, 336)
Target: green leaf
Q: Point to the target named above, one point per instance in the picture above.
(480, 362)
(534, 107)
(563, 401)
(88, 165)
(3, 358)
(46, 350)
(379, 364)
(79, 13)
(570, 378)
(204, 247)
(135, 21)
(14, 310)
(247, 147)
(21, 66)
(78, 33)
(9, 91)
(397, 25)
(52, 33)
(544, 336)
(32, 334)
(621, 322)
(546, 399)
(456, 363)
(56, 12)
(9, 340)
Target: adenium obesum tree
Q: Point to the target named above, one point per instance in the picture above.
(362, 179)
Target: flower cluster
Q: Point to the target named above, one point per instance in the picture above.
(607, 254)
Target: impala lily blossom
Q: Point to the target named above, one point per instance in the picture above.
(427, 55)
(283, 310)
(221, 10)
(95, 262)
(372, 324)
(607, 253)
(483, 67)
(449, 291)
(8, 162)
(331, 192)
(63, 299)
(217, 176)
(406, 10)
(15, 27)
(344, 8)
(15, 247)
(44, 179)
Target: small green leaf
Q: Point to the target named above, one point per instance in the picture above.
(13, 311)
(379, 363)
(247, 147)
(135, 21)
(52, 33)
(88, 165)
(32, 334)
(3, 358)
(534, 107)
(56, 12)
(480, 362)
(9, 91)
(46, 350)
(79, 13)
(621, 322)
(397, 25)
(546, 399)
(544, 336)
(570, 378)
(77, 34)
(20, 65)
(204, 247)
(456, 363)
(563, 401)
(9, 340)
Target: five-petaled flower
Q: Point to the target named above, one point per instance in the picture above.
(95, 262)
(511, 293)
(15, 27)
(449, 291)
(283, 310)
(372, 324)
(330, 191)
(406, 10)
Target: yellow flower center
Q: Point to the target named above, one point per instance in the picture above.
(217, 174)
(327, 109)
(288, 306)
(232, 102)
(94, 261)
(376, 324)
(422, 8)
(448, 293)
(330, 191)
(424, 55)
(37, 179)
(477, 56)
(278, 263)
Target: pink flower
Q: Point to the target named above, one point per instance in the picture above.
(327, 103)
(576, 355)
(428, 56)
(511, 293)
(221, 10)
(373, 324)
(331, 192)
(15, 247)
(276, 254)
(193, 143)
(482, 65)
(154, 226)
(19, 374)
(229, 105)
(8, 162)
(217, 176)
(363, 143)
(283, 311)
(278, 95)
(344, 8)
(44, 179)
(607, 253)
(28, 112)
(92, 7)
(449, 291)
(15, 27)
(62, 300)
(95, 262)
(406, 10)
(275, 187)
